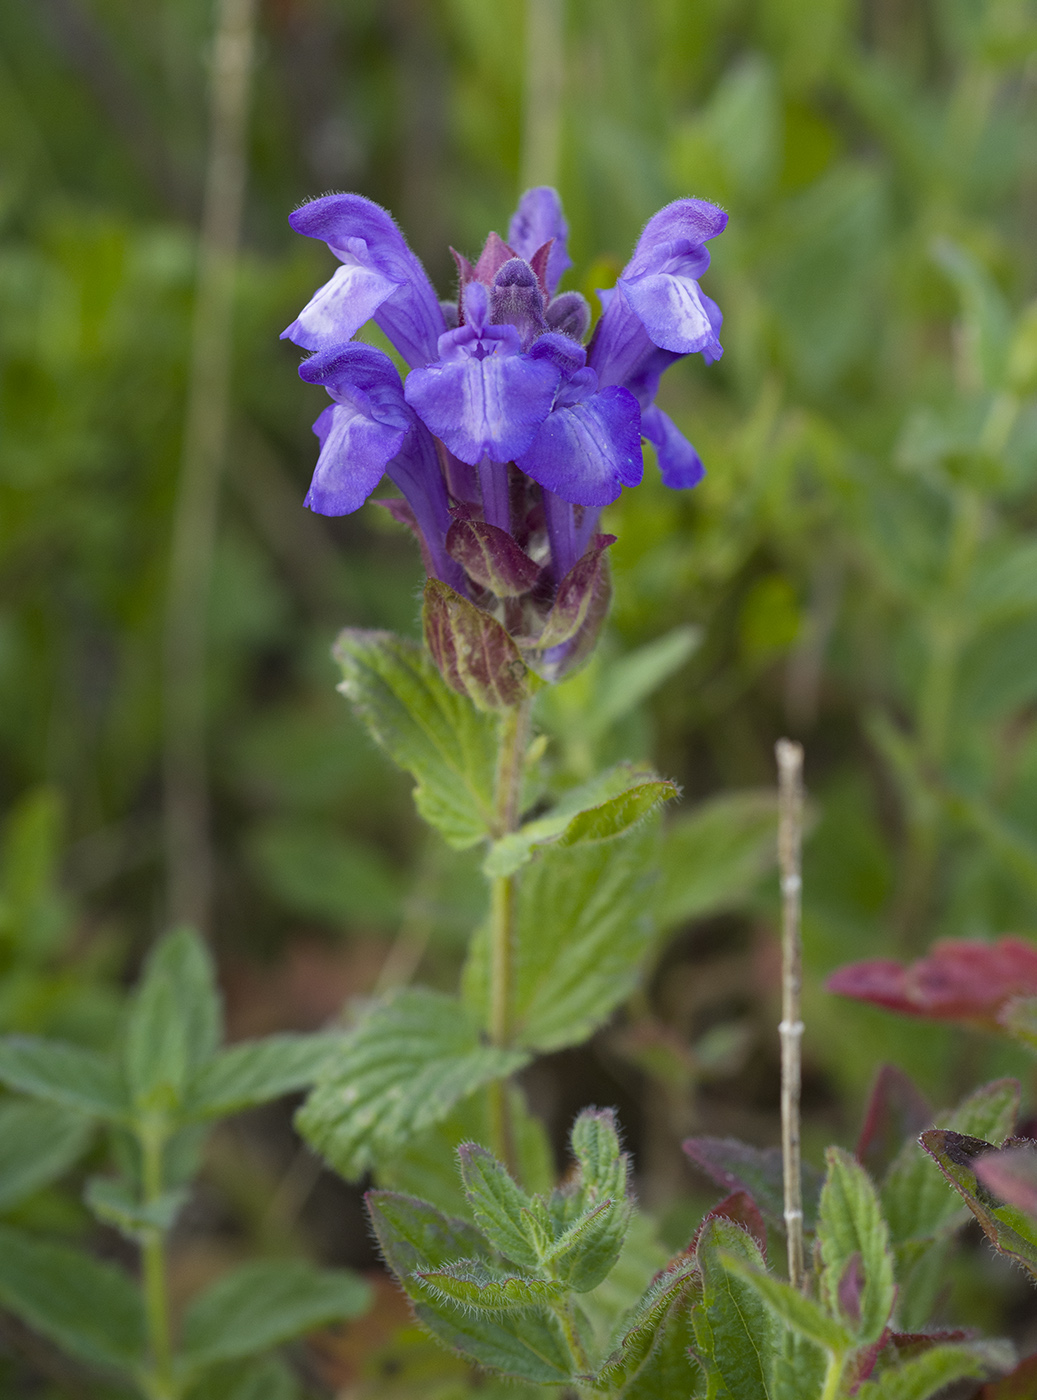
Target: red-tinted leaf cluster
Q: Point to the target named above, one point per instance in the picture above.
(960, 980)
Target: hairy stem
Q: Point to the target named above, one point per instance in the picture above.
(564, 1313)
(514, 736)
(790, 838)
(161, 1384)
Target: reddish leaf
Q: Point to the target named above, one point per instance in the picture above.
(756, 1170)
(1011, 1174)
(960, 980)
(740, 1208)
(1004, 1224)
(491, 558)
(897, 1110)
(472, 650)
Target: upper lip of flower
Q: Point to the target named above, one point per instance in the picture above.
(503, 386)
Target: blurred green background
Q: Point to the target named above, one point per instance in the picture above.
(861, 560)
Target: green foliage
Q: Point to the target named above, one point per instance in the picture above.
(583, 930)
(38, 1143)
(171, 1080)
(853, 1238)
(259, 1305)
(438, 736)
(91, 1309)
(402, 1069)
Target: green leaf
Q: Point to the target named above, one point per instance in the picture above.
(1009, 1229)
(1019, 1019)
(526, 1345)
(473, 1284)
(851, 1227)
(799, 1367)
(265, 1379)
(91, 1309)
(734, 1330)
(587, 1251)
(255, 1071)
(583, 928)
(650, 1358)
(112, 1201)
(713, 856)
(446, 744)
(64, 1074)
(915, 1199)
(402, 1069)
(633, 677)
(924, 1375)
(262, 1304)
(595, 1145)
(501, 1209)
(595, 811)
(175, 1020)
(38, 1143)
(790, 1306)
(414, 1235)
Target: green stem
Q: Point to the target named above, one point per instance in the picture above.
(833, 1376)
(514, 737)
(161, 1382)
(563, 1312)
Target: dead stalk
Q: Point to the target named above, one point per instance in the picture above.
(790, 840)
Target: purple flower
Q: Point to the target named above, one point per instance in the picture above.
(505, 422)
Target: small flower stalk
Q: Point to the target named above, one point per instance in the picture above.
(509, 434)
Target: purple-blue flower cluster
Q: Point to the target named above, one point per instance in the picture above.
(505, 418)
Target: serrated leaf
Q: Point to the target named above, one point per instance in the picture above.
(175, 1020)
(733, 1328)
(440, 738)
(112, 1201)
(850, 1226)
(595, 1145)
(528, 1345)
(736, 1166)
(255, 1071)
(583, 928)
(923, 1376)
(791, 1307)
(713, 856)
(413, 1235)
(38, 1143)
(1008, 1228)
(92, 1309)
(500, 1208)
(650, 1356)
(473, 1284)
(65, 1074)
(914, 1198)
(262, 1304)
(402, 1069)
(595, 811)
(587, 1251)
